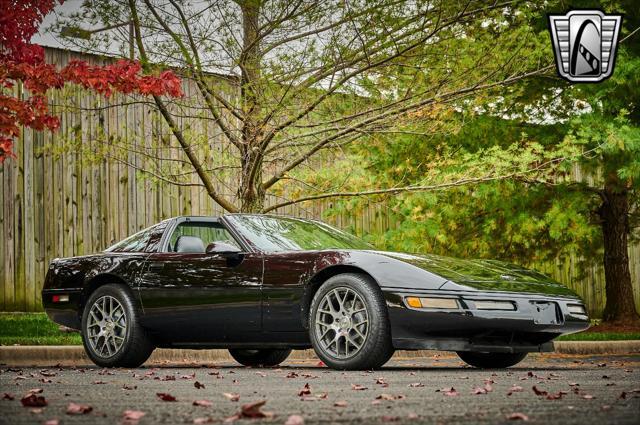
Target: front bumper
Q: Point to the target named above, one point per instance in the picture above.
(535, 321)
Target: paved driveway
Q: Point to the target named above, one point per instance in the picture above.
(578, 390)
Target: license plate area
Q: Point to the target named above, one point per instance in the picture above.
(546, 313)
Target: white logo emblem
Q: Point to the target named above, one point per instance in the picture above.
(585, 43)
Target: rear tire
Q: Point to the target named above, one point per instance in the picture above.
(349, 309)
(111, 331)
(491, 360)
(267, 357)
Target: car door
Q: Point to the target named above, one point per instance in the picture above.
(200, 297)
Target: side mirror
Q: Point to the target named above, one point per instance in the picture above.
(225, 249)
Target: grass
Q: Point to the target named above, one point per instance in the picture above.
(599, 336)
(33, 329)
(37, 329)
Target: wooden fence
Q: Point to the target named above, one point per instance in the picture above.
(59, 203)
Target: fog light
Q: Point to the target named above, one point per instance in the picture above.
(439, 303)
(494, 305)
(577, 309)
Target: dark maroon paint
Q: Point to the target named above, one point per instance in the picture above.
(259, 299)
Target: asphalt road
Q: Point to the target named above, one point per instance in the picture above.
(570, 389)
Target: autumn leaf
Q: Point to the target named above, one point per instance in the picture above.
(200, 421)
(517, 417)
(515, 389)
(203, 403)
(32, 399)
(539, 391)
(341, 403)
(232, 396)
(358, 387)
(451, 392)
(198, 385)
(306, 390)
(78, 409)
(132, 417)
(251, 411)
(416, 385)
(166, 397)
(294, 420)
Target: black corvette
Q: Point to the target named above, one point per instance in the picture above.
(263, 285)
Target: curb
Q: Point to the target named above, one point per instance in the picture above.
(41, 355)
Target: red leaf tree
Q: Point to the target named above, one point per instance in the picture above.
(23, 63)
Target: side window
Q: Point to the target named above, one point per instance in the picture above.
(135, 243)
(206, 231)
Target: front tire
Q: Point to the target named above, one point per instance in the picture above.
(491, 360)
(111, 331)
(259, 358)
(349, 325)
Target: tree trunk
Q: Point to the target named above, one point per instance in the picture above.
(614, 212)
(250, 189)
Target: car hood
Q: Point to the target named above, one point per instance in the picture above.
(484, 275)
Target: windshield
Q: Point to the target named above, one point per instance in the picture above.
(272, 234)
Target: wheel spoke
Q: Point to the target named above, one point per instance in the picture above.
(106, 333)
(343, 311)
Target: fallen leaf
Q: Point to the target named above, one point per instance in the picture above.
(203, 403)
(193, 375)
(8, 396)
(358, 387)
(198, 385)
(253, 410)
(479, 391)
(539, 391)
(517, 417)
(451, 392)
(588, 396)
(78, 409)
(381, 381)
(98, 382)
(129, 387)
(416, 385)
(232, 396)
(199, 421)
(341, 403)
(294, 420)
(515, 389)
(132, 416)
(32, 399)
(306, 390)
(291, 375)
(166, 397)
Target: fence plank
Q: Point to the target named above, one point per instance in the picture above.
(57, 203)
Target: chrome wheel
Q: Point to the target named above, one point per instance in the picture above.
(342, 323)
(106, 326)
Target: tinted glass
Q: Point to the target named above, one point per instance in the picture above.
(135, 243)
(272, 234)
(208, 232)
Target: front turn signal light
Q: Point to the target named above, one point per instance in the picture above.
(436, 303)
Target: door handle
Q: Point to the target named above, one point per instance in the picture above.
(156, 266)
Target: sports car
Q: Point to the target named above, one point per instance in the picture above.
(262, 286)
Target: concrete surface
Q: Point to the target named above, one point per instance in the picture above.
(597, 390)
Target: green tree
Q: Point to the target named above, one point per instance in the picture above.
(588, 205)
(305, 77)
